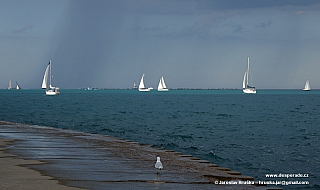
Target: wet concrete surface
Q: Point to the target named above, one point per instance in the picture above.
(95, 161)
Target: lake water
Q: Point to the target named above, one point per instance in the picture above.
(271, 132)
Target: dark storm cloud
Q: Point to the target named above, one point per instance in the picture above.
(87, 36)
(111, 43)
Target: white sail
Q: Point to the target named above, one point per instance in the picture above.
(142, 88)
(18, 87)
(162, 85)
(45, 77)
(141, 85)
(307, 86)
(10, 86)
(244, 84)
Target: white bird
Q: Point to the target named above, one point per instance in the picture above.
(158, 164)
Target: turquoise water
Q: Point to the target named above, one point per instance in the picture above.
(272, 132)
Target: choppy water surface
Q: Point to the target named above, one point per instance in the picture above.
(274, 131)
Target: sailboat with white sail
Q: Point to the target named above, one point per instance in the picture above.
(134, 85)
(142, 88)
(12, 88)
(18, 86)
(246, 88)
(162, 85)
(50, 90)
(307, 86)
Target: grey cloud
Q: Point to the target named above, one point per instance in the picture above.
(237, 28)
(23, 29)
(264, 24)
(251, 4)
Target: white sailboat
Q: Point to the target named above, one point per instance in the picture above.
(307, 86)
(246, 88)
(18, 87)
(50, 90)
(142, 88)
(134, 85)
(10, 86)
(162, 85)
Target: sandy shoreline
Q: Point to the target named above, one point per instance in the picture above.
(93, 161)
(15, 175)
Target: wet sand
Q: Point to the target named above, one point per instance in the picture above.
(50, 158)
(14, 174)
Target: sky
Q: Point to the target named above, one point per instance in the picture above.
(192, 43)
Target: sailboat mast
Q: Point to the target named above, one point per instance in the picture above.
(248, 73)
(50, 72)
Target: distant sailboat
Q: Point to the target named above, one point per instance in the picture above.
(18, 87)
(307, 86)
(142, 88)
(134, 85)
(246, 88)
(50, 90)
(162, 85)
(10, 86)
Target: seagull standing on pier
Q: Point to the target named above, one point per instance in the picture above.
(158, 164)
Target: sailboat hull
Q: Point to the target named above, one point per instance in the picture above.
(52, 92)
(163, 89)
(144, 89)
(249, 91)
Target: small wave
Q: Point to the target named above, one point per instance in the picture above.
(215, 157)
(183, 137)
(200, 112)
(107, 130)
(300, 137)
(224, 115)
(94, 125)
(191, 148)
(308, 144)
(169, 146)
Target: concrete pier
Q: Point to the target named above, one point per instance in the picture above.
(66, 159)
